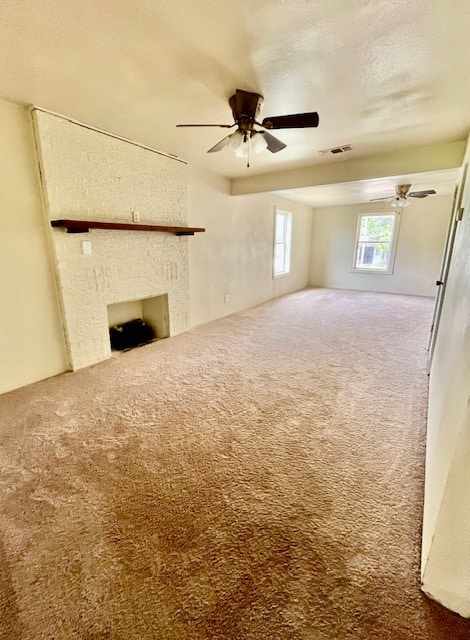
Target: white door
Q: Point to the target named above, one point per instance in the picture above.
(444, 271)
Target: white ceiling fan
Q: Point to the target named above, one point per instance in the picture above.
(402, 193)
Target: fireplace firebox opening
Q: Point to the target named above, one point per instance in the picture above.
(136, 322)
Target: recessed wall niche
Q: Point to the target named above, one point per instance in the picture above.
(153, 311)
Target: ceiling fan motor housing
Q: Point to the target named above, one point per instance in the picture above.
(246, 107)
(402, 190)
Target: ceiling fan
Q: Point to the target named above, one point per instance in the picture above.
(246, 107)
(402, 193)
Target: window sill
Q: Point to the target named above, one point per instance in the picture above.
(280, 275)
(380, 272)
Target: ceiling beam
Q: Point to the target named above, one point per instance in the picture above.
(435, 157)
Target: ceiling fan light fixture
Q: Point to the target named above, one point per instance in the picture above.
(239, 143)
(236, 140)
(400, 202)
(242, 152)
(259, 142)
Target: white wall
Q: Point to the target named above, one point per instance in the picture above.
(446, 527)
(421, 240)
(235, 255)
(31, 337)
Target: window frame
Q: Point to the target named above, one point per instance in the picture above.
(393, 242)
(287, 242)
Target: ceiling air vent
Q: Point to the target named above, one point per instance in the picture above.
(336, 150)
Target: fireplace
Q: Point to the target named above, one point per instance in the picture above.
(148, 318)
(113, 273)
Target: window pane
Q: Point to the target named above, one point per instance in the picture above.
(282, 242)
(373, 255)
(375, 228)
(280, 227)
(279, 258)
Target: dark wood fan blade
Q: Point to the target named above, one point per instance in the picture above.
(293, 121)
(220, 145)
(421, 194)
(224, 126)
(274, 145)
(382, 199)
(245, 103)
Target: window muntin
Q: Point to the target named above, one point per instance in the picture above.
(282, 242)
(375, 242)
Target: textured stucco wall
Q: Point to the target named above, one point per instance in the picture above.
(91, 175)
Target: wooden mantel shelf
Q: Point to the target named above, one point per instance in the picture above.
(83, 226)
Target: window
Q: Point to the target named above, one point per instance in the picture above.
(375, 242)
(282, 242)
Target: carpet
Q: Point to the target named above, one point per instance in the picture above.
(257, 477)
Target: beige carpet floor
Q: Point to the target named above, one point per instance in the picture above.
(260, 477)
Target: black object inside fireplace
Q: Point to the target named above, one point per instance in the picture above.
(128, 335)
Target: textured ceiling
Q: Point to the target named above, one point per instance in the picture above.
(382, 74)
